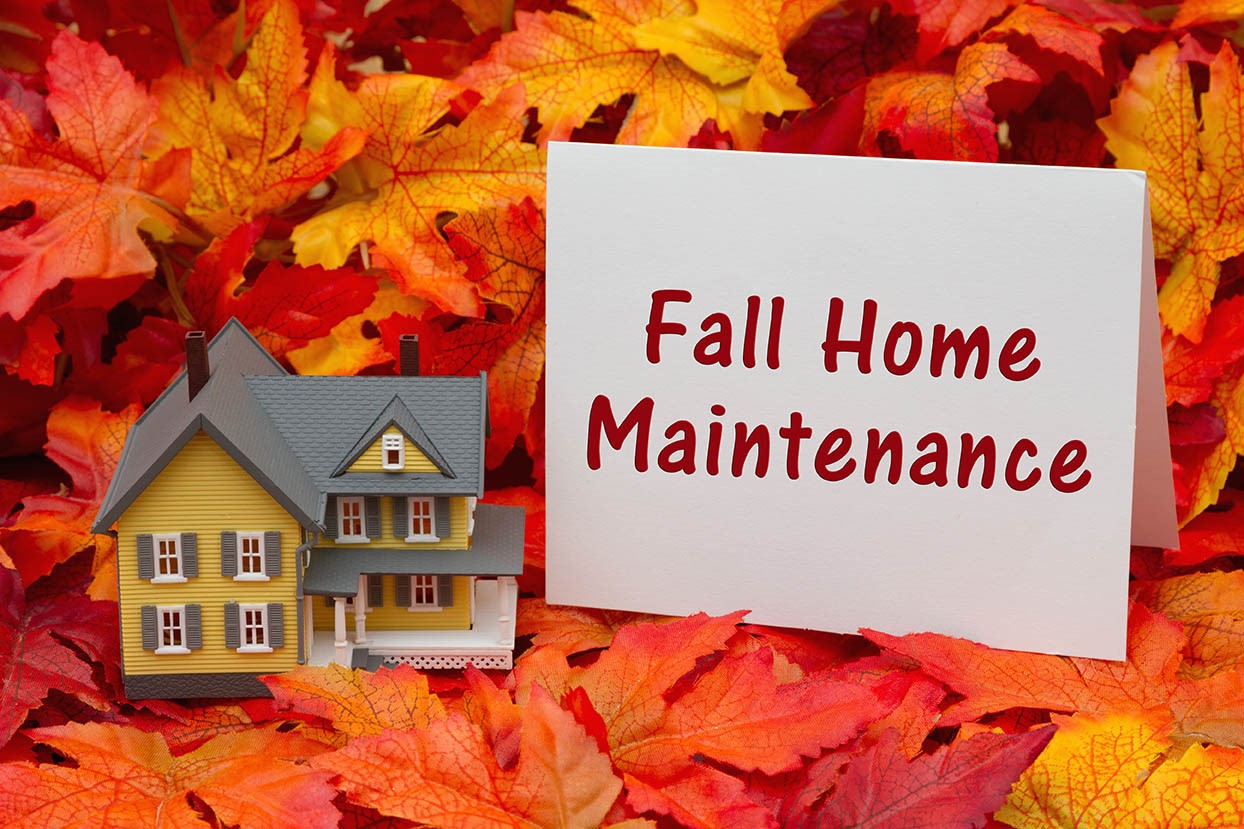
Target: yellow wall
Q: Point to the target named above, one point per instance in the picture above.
(372, 459)
(457, 530)
(203, 490)
(391, 617)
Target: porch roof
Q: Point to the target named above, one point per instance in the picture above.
(496, 550)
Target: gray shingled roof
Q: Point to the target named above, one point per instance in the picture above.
(496, 550)
(395, 414)
(226, 410)
(322, 418)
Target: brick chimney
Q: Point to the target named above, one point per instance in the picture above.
(408, 355)
(197, 369)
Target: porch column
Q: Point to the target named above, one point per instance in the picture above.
(507, 587)
(360, 612)
(339, 630)
(308, 630)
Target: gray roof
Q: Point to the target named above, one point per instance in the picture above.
(291, 432)
(395, 414)
(496, 550)
(225, 409)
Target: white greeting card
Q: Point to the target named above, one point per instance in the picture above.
(847, 392)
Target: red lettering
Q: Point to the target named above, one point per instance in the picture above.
(1066, 461)
(711, 460)
(971, 450)
(777, 305)
(892, 444)
(834, 448)
(600, 420)
(897, 331)
(743, 443)
(658, 326)
(1019, 346)
(1022, 447)
(793, 434)
(952, 341)
(750, 327)
(930, 468)
(684, 447)
(721, 339)
(862, 347)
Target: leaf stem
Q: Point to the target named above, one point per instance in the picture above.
(507, 15)
(174, 290)
(178, 34)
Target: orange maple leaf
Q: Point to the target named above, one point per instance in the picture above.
(447, 771)
(1211, 608)
(127, 777)
(241, 131)
(947, 23)
(1195, 176)
(357, 702)
(91, 188)
(1120, 770)
(657, 723)
(572, 629)
(1210, 475)
(939, 115)
(409, 178)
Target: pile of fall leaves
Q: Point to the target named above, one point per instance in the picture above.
(335, 173)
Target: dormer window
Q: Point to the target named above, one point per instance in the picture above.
(393, 452)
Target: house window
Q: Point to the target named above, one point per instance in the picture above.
(393, 450)
(350, 518)
(254, 629)
(168, 558)
(250, 556)
(422, 527)
(423, 593)
(171, 632)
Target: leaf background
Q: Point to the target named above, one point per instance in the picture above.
(337, 173)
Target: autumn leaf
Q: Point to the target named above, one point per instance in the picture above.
(1120, 770)
(1194, 175)
(1217, 532)
(446, 774)
(1191, 368)
(1210, 473)
(416, 178)
(242, 131)
(91, 187)
(43, 645)
(939, 115)
(955, 785)
(1210, 606)
(944, 24)
(570, 64)
(572, 629)
(357, 702)
(127, 777)
(86, 442)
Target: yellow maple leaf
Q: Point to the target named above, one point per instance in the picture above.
(241, 131)
(1211, 477)
(1194, 176)
(1121, 770)
(413, 177)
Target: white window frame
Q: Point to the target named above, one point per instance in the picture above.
(158, 556)
(258, 538)
(244, 629)
(387, 444)
(428, 508)
(342, 535)
(433, 591)
(178, 628)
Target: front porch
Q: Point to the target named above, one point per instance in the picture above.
(488, 644)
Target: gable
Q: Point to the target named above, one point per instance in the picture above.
(372, 459)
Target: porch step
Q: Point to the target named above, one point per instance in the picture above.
(362, 658)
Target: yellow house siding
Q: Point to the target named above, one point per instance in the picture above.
(391, 617)
(372, 460)
(204, 491)
(457, 530)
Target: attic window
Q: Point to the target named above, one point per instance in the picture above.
(393, 452)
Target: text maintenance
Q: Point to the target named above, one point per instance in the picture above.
(740, 448)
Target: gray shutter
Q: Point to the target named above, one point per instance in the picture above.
(194, 627)
(146, 557)
(276, 625)
(272, 553)
(371, 514)
(233, 625)
(228, 553)
(403, 590)
(445, 591)
(190, 555)
(330, 517)
(375, 590)
(151, 639)
(442, 518)
(401, 521)
(328, 601)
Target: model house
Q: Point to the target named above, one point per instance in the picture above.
(266, 520)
